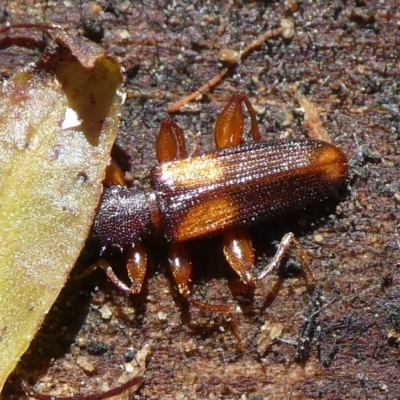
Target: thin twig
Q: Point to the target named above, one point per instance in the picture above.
(286, 30)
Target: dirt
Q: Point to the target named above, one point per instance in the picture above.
(344, 58)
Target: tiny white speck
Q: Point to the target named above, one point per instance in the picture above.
(122, 95)
(71, 119)
(124, 34)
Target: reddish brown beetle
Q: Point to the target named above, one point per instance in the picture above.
(221, 192)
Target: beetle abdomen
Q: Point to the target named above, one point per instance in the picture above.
(244, 185)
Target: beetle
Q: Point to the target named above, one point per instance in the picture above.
(240, 184)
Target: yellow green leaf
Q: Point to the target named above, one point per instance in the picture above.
(57, 127)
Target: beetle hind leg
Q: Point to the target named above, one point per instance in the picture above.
(284, 247)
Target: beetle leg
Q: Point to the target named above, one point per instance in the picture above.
(230, 123)
(170, 144)
(228, 132)
(181, 268)
(105, 266)
(114, 175)
(239, 253)
(136, 266)
(284, 246)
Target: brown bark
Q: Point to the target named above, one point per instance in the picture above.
(345, 60)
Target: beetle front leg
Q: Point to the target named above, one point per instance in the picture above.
(114, 174)
(136, 265)
(284, 246)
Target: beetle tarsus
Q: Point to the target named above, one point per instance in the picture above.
(284, 246)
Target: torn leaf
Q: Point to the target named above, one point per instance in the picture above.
(58, 122)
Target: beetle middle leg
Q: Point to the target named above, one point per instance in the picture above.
(171, 146)
(229, 129)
